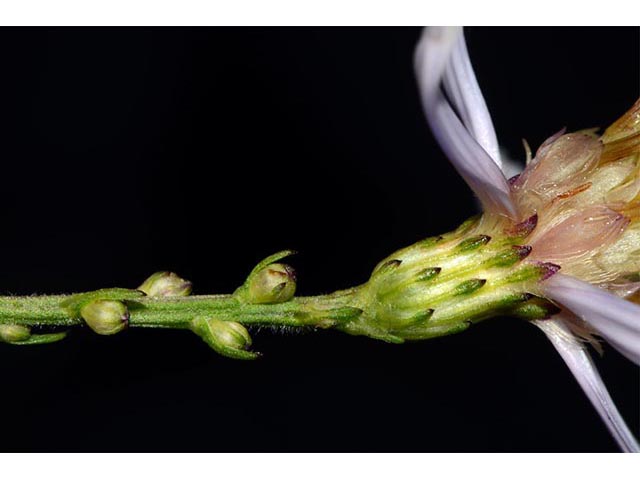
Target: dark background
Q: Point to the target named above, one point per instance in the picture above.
(126, 151)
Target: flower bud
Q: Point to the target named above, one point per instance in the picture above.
(227, 338)
(230, 334)
(14, 333)
(276, 283)
(165, 284)
(105, 317)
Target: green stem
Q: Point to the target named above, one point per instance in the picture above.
(43, 310)
(178, 311)
(436, 287)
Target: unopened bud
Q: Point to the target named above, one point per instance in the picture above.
(165, 284)
(105, 317)
(230, 334)
(228, 338)
(275, 283)
(14, 333)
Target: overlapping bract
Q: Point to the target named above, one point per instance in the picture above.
(584, 193)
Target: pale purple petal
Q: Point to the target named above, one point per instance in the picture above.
(471, 160)
(462, 87)
(577, 358)
(615, 319)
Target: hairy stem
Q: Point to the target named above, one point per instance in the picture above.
(177, 311)
(436, 287)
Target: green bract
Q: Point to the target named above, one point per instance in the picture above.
(436, 287)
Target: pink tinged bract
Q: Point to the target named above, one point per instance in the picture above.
(471, 146)
(580, 234)
(559, 161)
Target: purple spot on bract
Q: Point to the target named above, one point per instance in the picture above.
(523, 251)
(524, 228)
(548, 269)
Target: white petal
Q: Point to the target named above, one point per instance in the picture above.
(471, 160)
(615, 319)
(462, 87)
(577, 358)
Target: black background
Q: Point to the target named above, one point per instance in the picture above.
(126, 151)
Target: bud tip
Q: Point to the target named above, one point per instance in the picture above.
(165, 284)
(275, 283)
(105, 317)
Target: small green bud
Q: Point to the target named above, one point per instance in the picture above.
(228, 338)
(230, 334)
(14, 333)
(276, 283)
(165, 284)
(105, 317)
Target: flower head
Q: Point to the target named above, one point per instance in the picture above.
(577, 205)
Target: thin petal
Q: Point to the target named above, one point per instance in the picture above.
(577, 358)
(615, 319)
(462, 87)
(471, 160)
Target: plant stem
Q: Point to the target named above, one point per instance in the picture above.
(178, 311)
(436, 287)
